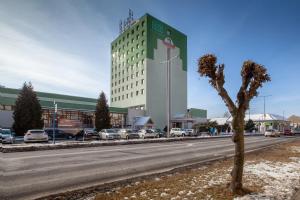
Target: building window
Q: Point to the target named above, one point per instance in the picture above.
(143, 43)
(131, 94)
(137, 93)
(122, 97)
(137, 55)
(143, 52)
(112, 92)
(127, 78)
(142, 72)
(137, 27)
(137, 46)
(119, 81)
(126, 87)
(112, 99)
(122, 88)
(143, 33)
(132, 49)
(142, 81)
(137, 74)
(136, 83)
(143, 62)
(143, 23)
(132, 58)
(122, 80)
(132, 32)
(126, 96)
(137, 36)
(118, 89)
(119, 98)
(132, 76)
(142, 91)
(131, 85)
(132, 41)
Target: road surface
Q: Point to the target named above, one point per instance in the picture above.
(29, 175)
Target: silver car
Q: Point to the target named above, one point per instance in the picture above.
(7, 136)
(109, 134)
(36, 135)
(128, 134)
(148, 133)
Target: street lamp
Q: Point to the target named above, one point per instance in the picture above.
(54, 118)
(264, 96)
(169, 45)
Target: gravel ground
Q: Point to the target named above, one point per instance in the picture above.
(270, 174)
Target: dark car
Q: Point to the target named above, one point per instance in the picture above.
(7, 136)
(59, 134)
(87, 134)
(161, 133)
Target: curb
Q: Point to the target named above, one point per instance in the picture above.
(11, 149)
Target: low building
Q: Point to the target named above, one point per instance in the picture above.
(262, 122)
(73, 111)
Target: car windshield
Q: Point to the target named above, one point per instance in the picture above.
(148, 131)
(129, 131)
(110, 131)
(6, 132)
(270, 130)
(37, 132)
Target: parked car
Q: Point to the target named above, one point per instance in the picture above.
(128, 134)
(287, 131)
(190, 132)
(109, 134)
(161, 133)
(59, 134)
(296, 131)
(177, 132)
(87, 134)
(272, 133)
(148, 133)
(36, 135)
(7, 137)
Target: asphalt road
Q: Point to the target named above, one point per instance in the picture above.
(28, 175)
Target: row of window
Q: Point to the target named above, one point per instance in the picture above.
(132, 76)
(120, 56)
(137, 64)
(132, 33)
(141, 92)
(116, 90)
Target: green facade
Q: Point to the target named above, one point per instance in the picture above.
(198, 113)
(148, 29)
(8, 96)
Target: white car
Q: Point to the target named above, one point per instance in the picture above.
(272, 133)
(109, 134)
(177, 132)
(148, 133)
(36, 135)
(190, 132)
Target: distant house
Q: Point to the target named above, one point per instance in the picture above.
(294, 121)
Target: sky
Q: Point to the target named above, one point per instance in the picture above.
(63, 46)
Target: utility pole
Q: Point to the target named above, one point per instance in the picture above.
(264, 96)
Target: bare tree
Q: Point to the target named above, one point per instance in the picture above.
(253, 76)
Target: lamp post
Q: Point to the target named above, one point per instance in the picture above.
(169, 45)
(54, 118)
(264, 96)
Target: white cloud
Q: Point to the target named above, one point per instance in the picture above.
(23, 58)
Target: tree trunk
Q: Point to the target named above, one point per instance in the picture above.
(236, 185)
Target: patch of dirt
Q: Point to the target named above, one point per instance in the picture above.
(210, 181)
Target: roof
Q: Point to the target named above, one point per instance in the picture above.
(253, 117)
(294, 119)
(220, 120)
(8, 96)
(142, 121)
